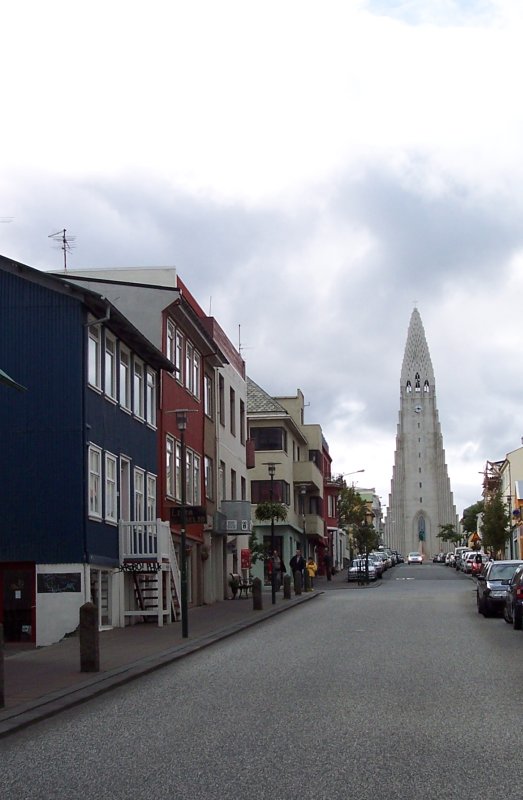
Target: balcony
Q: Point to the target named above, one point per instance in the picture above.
(147, 540)
(314, 525)
(233, 518)
(306, 472)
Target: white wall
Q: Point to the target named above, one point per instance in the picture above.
(58, 613)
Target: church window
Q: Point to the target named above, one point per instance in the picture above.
(426, 387)
(409, 386)
(418, 385)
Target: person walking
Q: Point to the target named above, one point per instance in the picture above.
(311, 569)
(297, 562)
(276, 564)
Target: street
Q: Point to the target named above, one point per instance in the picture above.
(399, 690)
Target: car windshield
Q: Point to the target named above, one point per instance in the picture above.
(413, 554)
(502, 571)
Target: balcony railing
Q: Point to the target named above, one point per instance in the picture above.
(145, 540)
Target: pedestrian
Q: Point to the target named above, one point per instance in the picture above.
(327, 561)
(297, 562)
(311, 572)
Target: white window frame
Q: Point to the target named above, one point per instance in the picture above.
(209, 477)
(197, 369)
(125, 378)
(95, 482)
(171, 341)
(178, 356)
(139, 494)
(94, 357)
(178, 471)
(189, 360)
(111, 488)
(138, 388)
(170, 466)
(150, 396)
(110, 366)
(208, 396)
(151, 497)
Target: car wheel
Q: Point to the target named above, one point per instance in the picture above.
(516, 619)
(479, 604)
(506, 616)
(486, 608)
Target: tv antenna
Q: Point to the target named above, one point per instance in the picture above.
(66, 243)
(241, 347)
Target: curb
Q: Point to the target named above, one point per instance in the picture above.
(26, 714)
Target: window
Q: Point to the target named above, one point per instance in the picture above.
(178, 472)
(150, 399)
(261, 491)
(189, 477)
(94, 356)
(196, 368)
(233, 484)
(111, 496)
(110, 366)
(139, 494)
(269, 438)
(138, 396)
(95, 481)
(243, 483)
(151, 497)
(170, 343)
(331, 505)
(125, 378)
(242, 422)
(197, 479)
(169, 466)
(209, 478)
(222, 479)
(189, 375)
(221, 400)
(178, 356)
(208, 405)
(232, 411)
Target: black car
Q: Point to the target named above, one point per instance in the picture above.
(513, 609)
(492, 584)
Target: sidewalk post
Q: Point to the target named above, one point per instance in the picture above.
(2, 695)
(89, 638)
(286, 587)
(257, 600)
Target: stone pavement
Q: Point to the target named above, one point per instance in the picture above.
(40, 682)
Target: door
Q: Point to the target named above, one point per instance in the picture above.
(17, 602)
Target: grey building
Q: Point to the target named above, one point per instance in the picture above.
(420, 500)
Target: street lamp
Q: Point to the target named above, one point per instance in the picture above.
(181, 421)
(369, 516)
(272, 469)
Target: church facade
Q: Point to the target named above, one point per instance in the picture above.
(421, 499)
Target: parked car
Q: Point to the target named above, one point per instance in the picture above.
(414, 558)
(379, 563)
(513, 608)
(492, 585)
(458, 551)
(357, 570)
(477, 564)
(460, 559)
(449, 561)
(399, 558)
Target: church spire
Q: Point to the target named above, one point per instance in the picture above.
(417, 372)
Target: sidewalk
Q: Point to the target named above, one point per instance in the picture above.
(40, 682)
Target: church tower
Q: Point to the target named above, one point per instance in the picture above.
(420, 499)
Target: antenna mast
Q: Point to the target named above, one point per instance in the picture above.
(67, 243)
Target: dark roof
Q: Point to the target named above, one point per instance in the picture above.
(259, 402)
(98, 305)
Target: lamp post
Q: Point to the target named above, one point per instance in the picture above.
(181, 421)
(303, 493)
(369, 515)
(272, 469)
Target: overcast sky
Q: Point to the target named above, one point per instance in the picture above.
(312, 169)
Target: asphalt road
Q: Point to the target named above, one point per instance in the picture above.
(398, 691)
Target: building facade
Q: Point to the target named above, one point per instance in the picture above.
(421, 499)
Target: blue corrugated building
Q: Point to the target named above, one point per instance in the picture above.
(78, 450)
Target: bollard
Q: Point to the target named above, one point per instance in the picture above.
(287, 587)
(297, 582)
(89, 639)
(306, 582)
(257, 600)
(2, 694)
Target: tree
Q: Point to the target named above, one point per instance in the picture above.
(496, 523)
(265, 512)
(469, 520)
(352, 509)
(448, 533)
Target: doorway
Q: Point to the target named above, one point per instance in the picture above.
(17, 601)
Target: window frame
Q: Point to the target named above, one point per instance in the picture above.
(125, 382)
(138, 388)
(95, 502)
(111, 488)
(94, 357)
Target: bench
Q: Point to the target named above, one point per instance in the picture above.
(244, 585)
